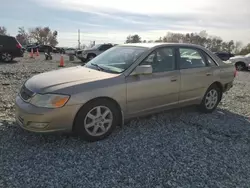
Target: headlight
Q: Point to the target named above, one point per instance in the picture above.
(49, 100)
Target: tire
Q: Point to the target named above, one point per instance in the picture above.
(240, 66)
(6, 57)
(91, 127)
(215, 95)
(91, 56)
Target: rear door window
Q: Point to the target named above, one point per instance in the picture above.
(191, 58)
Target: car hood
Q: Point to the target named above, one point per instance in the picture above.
(67, 76)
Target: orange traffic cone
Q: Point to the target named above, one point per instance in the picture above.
(31, 53)
(61, 62)
(37, 52)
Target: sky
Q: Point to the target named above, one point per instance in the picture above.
(113, 20)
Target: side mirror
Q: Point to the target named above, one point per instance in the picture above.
(142, 69)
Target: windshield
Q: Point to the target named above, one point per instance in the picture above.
(116, 59)
(248, 55)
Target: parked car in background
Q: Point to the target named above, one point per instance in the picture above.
(32, 46)
(59, 50)
(224, 56)
(126, 81)
(70, 51)
(88, 54)
(241, 62)
(43, 48)
(10, 48)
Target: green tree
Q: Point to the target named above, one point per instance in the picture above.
(133, 39)
(159, 40)
(213, 43)
(43, 35)
(22, 36)
(238, 47)
(3, 30)
(245, 50)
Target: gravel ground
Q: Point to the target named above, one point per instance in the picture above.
(181, 148)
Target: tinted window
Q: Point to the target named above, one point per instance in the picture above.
(4, 39)
(105, 47)
(161, 60)
(190, 58)
(8, 42)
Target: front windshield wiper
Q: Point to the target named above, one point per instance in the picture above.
(99, 68)
(103, 69)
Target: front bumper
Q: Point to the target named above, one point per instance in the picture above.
(44, 120)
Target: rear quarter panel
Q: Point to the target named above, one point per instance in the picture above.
(226, 73)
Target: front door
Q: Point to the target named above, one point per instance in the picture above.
(157, 90)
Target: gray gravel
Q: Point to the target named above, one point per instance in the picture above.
(181, 148)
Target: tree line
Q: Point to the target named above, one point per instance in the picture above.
(213, 43)
(46, 36)
(41, 35)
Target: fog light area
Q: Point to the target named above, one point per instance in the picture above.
(37, 125)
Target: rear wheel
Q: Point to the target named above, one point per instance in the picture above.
(96, 120)
(240, 66)
(211, 99)
(6, 57)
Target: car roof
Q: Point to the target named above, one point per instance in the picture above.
(156, 44)
(7, 36)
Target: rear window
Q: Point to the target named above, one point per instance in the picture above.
(8, 40)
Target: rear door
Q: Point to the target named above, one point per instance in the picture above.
(196, 74)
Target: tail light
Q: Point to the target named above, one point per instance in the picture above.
(235, 73)
(18, 46)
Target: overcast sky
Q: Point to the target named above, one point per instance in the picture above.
(113, 20)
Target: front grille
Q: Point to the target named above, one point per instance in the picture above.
(25, 93)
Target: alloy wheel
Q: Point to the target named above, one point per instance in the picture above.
(98, 121)
(211, 99)
(6, 57)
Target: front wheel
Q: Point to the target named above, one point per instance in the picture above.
(211, 99)
(96, 120)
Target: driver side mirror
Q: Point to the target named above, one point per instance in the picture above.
(142, 69)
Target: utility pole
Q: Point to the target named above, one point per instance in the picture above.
(79, 43)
